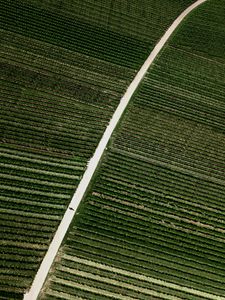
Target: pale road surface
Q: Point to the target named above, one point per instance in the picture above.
(92, 165)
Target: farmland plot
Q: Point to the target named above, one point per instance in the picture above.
(152, 225)
(142, 19)
(63, 71)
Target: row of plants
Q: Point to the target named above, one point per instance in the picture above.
(59, 56)
(68, 33)
(64, 68)
(155, 209)
(31, 207)
(205, 34)
(180, 102)
(170, 180)
(123, 224)
(146, 21)
(164, 140)
(57, 96)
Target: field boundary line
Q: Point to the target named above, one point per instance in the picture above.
(46, 264)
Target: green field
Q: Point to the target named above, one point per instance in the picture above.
(152, 225)
(64, 65)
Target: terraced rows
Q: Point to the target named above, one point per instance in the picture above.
(35, 190)
(55, 104)
(175, 141)
(145, 20)
(152, 225)
(32, 119)
(207, 91)
(68, 33)
(151, 222)
(63, 69)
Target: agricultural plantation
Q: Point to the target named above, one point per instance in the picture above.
(64, 68)
(152, 225)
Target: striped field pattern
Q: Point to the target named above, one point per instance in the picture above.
(64, 65)
(153, 223)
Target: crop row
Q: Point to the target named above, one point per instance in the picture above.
(37, 104)
(30, 47)
(134, 20)
(53, 98)
(35, 119)
(198, 105)
(54, 84)
(178, 185)
(189, 150)
(155, 208)
(49, 107)
(64, 71)
(149, 246)
(151, 236)
(205, 34)
(59, 30)
(55, 104)
(35, 190)
(74, 280)
(72, 265)
(181, 114)
(123, 228)
(164, 264)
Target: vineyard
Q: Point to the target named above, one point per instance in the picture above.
(64, 66)
(152, 225)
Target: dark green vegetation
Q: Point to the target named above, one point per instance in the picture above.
(153, 222)
(64, 66)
